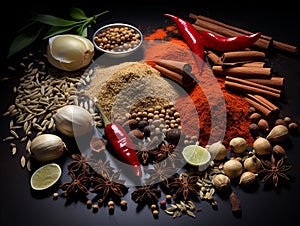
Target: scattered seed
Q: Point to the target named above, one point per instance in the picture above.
(23, 161)
(14, 150)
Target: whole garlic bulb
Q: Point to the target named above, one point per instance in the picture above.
(248, 178)
(262, 146)
(70, 52)
(233, 168)
(47, 147)
(221, 182)
(217, 150)
(238, 145)
(73, 120)
(252, 164)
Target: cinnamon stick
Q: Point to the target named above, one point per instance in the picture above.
(268, 104)
(229, 30)
(183, 80)
(242, 56)
(251, 87)
(230, 27)
(177, 66)
(253, 64)
(261, 108)
(276, 82)
(244, 72)
(216, 29)
(214, 58)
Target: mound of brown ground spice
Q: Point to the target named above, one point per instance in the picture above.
(222, 114)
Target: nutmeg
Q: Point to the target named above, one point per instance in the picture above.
(47, 147)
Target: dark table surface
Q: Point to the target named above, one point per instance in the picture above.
(261, 207)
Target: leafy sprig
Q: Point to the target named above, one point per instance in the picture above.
(45, 26)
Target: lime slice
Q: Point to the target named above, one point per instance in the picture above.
(45, 176)
(196, 155)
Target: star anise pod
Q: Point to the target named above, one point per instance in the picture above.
(274, 169)
(109, 186)
(185, 186)
(100, 167)
(147, 194)
(145, 148)
(79, 164)
(161, 172)
(165, 151)
(80, 184)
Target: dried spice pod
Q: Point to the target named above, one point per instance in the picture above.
(263, 125)
(293, 126)
(278, 133)
(130, 124)
(252, 164)
(279, 121)
(233, 168)
(262, 146)
(255, 117)
(279, 152)
(238, 145)
(254, 129)
(248, 178)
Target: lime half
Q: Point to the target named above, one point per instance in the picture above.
(196, 155)
(45, 176)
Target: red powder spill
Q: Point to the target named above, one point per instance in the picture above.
(204, 97)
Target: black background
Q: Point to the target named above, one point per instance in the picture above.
(260, 207)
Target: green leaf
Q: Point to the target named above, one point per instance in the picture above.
(57, 30)
(52, 20)
(22, 41)
(77, 14)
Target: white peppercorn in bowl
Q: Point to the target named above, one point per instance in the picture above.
(117, 39)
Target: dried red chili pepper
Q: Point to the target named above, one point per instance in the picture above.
(189, 34)
(232, 43)
(121, 143)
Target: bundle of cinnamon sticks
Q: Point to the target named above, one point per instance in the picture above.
(246, 71)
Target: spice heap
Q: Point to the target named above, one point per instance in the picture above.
(250, 149)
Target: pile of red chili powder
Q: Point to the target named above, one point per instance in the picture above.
(221, 115)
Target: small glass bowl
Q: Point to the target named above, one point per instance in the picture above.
(117, 39)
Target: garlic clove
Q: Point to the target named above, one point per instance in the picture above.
(70, 52)
(73, 120)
